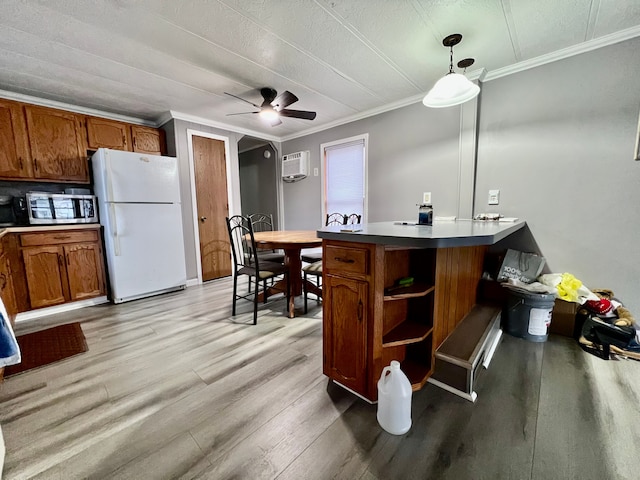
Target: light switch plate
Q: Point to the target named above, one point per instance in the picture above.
(315, 172)
(494, 197)
(426, 197)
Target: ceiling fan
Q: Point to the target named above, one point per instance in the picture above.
(275, 106)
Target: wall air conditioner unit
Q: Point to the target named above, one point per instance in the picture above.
(295, 166)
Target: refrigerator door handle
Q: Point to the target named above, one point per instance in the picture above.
(109, 176)
(113, 220)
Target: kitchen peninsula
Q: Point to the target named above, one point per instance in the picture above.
(368, 320)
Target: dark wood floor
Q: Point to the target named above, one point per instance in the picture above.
(173, 387)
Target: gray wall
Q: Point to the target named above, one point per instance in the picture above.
(558, 142)
(411, 150)
(258, 181)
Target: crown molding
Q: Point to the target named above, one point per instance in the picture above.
(584, 47)
(210, 123)
(43, 102)
(358, 116)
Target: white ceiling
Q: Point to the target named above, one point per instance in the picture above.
(342, 58)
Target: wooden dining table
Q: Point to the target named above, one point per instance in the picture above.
(291, 242)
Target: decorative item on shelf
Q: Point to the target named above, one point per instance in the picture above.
(453, 88)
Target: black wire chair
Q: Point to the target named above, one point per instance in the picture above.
(263, 222)
(247, 262)
(352, 219)
(331, 219)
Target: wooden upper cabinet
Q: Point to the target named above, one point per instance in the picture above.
(148, 140)
(104, 133)
(58, 144)
(15, 160)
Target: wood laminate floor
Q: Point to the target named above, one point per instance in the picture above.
(173, 387)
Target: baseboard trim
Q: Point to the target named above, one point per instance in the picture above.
(65, 307)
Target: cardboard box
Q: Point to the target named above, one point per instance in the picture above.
(563, 318)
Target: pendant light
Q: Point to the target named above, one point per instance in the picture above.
(453, 88)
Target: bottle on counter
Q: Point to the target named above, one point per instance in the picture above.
(425, 214)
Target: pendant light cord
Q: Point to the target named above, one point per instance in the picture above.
(451, 59)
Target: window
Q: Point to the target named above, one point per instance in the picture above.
(344, 176)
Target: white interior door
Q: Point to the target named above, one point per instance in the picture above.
(145, 248)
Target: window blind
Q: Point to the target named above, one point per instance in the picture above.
(344, 178)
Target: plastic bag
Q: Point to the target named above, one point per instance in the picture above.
(568, 287)
(521, 266)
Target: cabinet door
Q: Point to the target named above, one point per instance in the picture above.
(6, 287)
(148, 140)
(103, 133)
(58, 144)
(345, 331)
(44, 268)
(85, 270)
(15, 160)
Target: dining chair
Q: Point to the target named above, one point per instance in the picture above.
(263, 222)
(331, 219)
(335, 219)
(352, 219)
(314, 270)
(247, 262)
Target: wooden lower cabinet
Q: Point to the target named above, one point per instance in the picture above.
(368, 321)
(62, 267)
(45, 273)
(345, 335)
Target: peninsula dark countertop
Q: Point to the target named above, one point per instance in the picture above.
(442, 234)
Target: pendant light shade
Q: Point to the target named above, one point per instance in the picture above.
(453, 88)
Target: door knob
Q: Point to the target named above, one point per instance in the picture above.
(202, 219)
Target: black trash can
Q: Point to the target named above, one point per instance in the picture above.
(528, 314)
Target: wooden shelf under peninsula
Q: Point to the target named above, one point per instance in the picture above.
(412, 291)
(407, 332)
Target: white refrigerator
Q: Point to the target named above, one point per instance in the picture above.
(139, 208)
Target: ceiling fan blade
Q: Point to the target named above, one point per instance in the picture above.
(247, 101)
(283, 100)
(305, 115)
(241, 113)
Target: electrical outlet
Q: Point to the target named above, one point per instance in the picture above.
(426, 197)
(315, 172)
(494, 197)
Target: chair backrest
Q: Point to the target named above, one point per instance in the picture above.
(352, 219)
(261, 222)
(335, 219)
(243, 245)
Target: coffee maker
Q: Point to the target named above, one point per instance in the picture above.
(13, 211)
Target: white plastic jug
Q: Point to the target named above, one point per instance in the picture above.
(394, 400)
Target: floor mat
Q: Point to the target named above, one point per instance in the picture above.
(48, 346)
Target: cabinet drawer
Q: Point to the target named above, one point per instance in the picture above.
(346, 260)
(56, 238)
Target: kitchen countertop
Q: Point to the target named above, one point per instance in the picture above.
(442, 234)
(44, 228)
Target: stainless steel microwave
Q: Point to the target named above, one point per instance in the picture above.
(52, 208)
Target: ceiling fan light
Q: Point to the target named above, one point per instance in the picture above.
(452, 89)
(268, 114)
